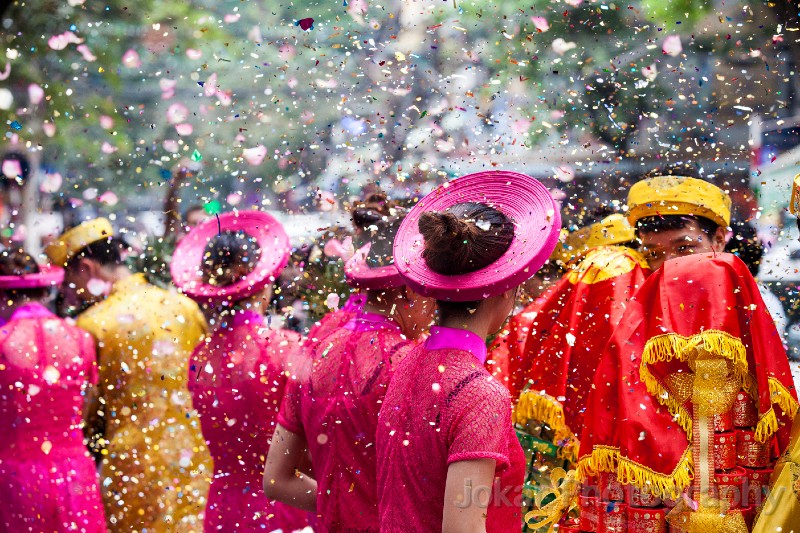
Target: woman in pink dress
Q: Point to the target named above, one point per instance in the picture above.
(48, 481)
(332, 411)
(237, 375)
(448, 456)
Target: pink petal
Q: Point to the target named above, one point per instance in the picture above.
(256, 155)
(12, 168)
(49, 129)
(191, 53)
(230, 18)
(108, 148)
(224, 98)
(177, 113)
(672, 45)
(35, 93)
(106, 122)
(131, 59)
(184, 129)
(171, 146)
(210, 87)
(51, 183)
(108, 198)
(540, 23)
(86, 53)
(234, 198)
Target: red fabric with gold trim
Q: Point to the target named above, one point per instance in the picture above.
(571, 328)
(506, 352)
(700, 300)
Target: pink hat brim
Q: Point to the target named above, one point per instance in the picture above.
(187, 260)
(48, 276)
(521, 198)
(361, 276)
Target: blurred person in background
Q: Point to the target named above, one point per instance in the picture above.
(48, 480)
(155, 465)
(238, 373)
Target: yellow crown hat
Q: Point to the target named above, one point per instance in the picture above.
(794, 205)
(74, 240)
(678, 195)
(613, 229)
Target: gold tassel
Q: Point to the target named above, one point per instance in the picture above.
(678, 412)
(608, 459)
(535, 405)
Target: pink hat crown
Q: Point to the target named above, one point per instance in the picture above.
(521, 198)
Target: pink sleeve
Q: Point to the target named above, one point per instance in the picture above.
(480, 416)
(290, 415)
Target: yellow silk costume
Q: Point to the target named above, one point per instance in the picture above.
(156, 468)
(781, 511)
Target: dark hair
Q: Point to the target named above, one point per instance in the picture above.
(458, 242)
(465, 238)
(673, 222)
(367, 213)
(746, 245)
(228, 257)
(17, 262)
(106, 252)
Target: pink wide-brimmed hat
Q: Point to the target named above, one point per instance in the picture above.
(525, 201)
(48, 276)
(187, 261)
(361, 276)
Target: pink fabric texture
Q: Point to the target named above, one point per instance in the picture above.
(442, 407)
(237, 381)
(48, 481)
(336, 408)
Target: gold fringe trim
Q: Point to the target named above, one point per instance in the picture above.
(665, 348)
(678, 411)
(768, 422)
(628, 472)
(535, 405)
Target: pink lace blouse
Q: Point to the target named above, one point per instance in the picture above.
(237, 380)
(442, 407)
(336, 408)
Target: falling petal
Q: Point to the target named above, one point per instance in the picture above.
(184, 129)
(131, 59)
(35, 93)
(177, 113)
(86, 53)
(256, 155)
(672, 45)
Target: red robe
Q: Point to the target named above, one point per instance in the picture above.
(635, 426)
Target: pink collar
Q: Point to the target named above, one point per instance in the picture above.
(246, 316)
(443, 338)
(31, 310)
(370, 321)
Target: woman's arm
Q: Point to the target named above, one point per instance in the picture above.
(467, 495)
(282, 479)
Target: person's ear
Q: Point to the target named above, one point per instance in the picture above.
(720, 239)
(88, 268)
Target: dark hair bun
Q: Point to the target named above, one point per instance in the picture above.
(465, 238)
(442, 229)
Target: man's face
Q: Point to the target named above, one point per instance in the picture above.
(661, 246)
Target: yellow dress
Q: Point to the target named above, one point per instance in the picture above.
(156, 468)
(781, 511)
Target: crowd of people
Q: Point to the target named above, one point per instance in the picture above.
(645, 388)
